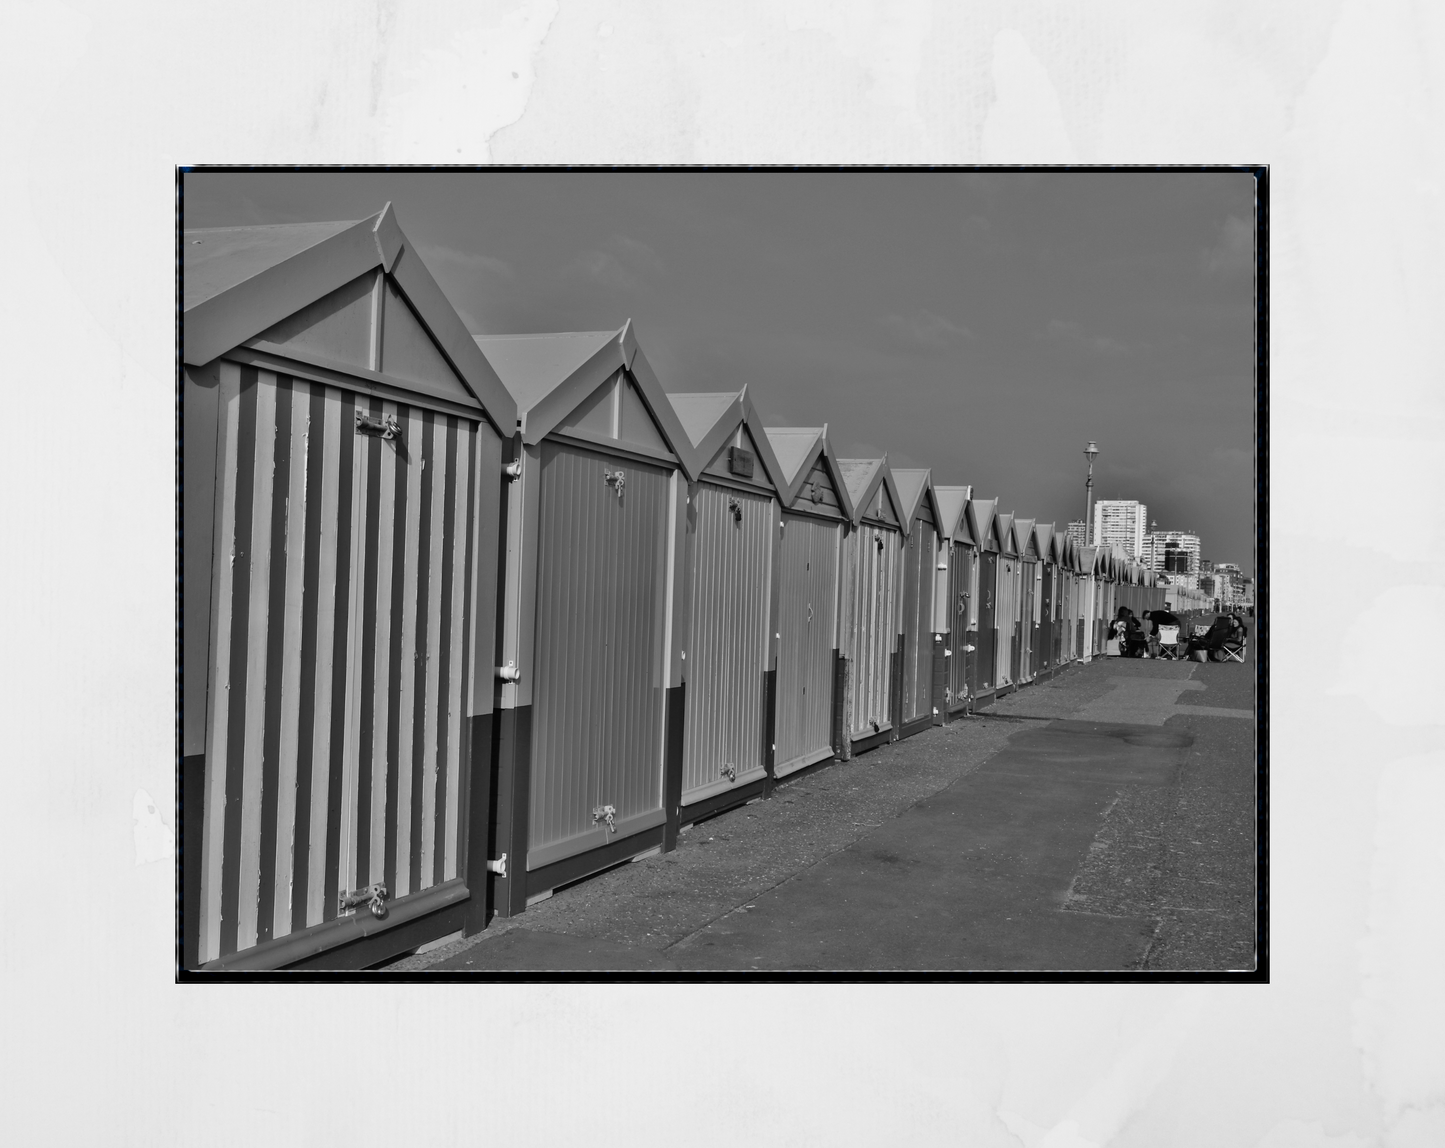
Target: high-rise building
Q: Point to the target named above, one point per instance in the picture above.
(1078, 533)
(1172, 552)
(1121, 522)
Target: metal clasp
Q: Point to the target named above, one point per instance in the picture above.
(614, 478)
(737, 509)
(728, 770)
(385, 426)
(372, 896)
(605, 814)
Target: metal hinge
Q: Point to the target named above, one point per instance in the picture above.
(614, 478)
(605, 814)
(513, 470)
(385, 426)
(372, 896)
(728, 770)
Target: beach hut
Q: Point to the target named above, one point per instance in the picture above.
(591, 697)
(817, 512)
(921, 645)
(1006, 609)
(953, 602)
(1028, 639)
(983, 679)
(1045, 651)
(342, 445)
(730, 651)
(869, 603)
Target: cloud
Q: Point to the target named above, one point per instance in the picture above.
(927, 328)
(621, 262)
(1073, 334)
(469, 262)
(1234, 253)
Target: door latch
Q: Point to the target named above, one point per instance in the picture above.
(385, 426)
(605, 814)
(614, 478)
(729, 771)
(372, 896)
(499, 866)
(736, 508)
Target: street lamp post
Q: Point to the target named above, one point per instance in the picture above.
(1089, 452)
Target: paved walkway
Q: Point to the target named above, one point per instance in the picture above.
(1113, 831)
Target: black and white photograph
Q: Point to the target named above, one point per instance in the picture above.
(807, 572)
(722, 573)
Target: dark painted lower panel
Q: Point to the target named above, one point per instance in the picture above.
(872, 741)
(986, 698)
(481, 750)
(190, 801)
(718, 802)
(511, 813)
(917, 725)
(582, 865)
(361, 940)
(676, 709)
(405, 938)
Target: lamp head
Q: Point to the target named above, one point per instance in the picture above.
(1090, 451)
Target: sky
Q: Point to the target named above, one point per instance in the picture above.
(985, 325)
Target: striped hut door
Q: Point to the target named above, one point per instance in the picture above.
(334, 725)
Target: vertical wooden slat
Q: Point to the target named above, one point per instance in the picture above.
(292, 630)
(406, 691)
(435, 638)
(424, 641)
(346, 872)
(396, 613)
(331, 580)
(383, 536)
(312, 656)
(442, 667)
(249, 853)
(367, 749)
(228, 419)
(459, 460)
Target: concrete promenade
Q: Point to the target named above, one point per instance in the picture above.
(1102, 821)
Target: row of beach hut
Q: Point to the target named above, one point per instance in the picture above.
(465, 619)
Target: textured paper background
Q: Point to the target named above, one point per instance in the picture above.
(1345, 1048)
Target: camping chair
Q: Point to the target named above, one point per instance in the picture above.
(1233, 651)
(1169, 642)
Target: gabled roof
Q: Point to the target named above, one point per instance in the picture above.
(1003, 531)
(952, 503)
(862, 477)
(532, 366)
(916, 484)
(552, 374)
(240, 281)
(1023, 531)
(1088, 558)
(981, 512)
(797, 450)
(711, 418)
(1044, 540)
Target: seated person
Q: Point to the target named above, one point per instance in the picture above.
(1164, 617)
(1224, 629)
(1135, 643)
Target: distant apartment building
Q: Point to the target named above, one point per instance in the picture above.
(1172, 552)
(1078, 533)
(1121, 522)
